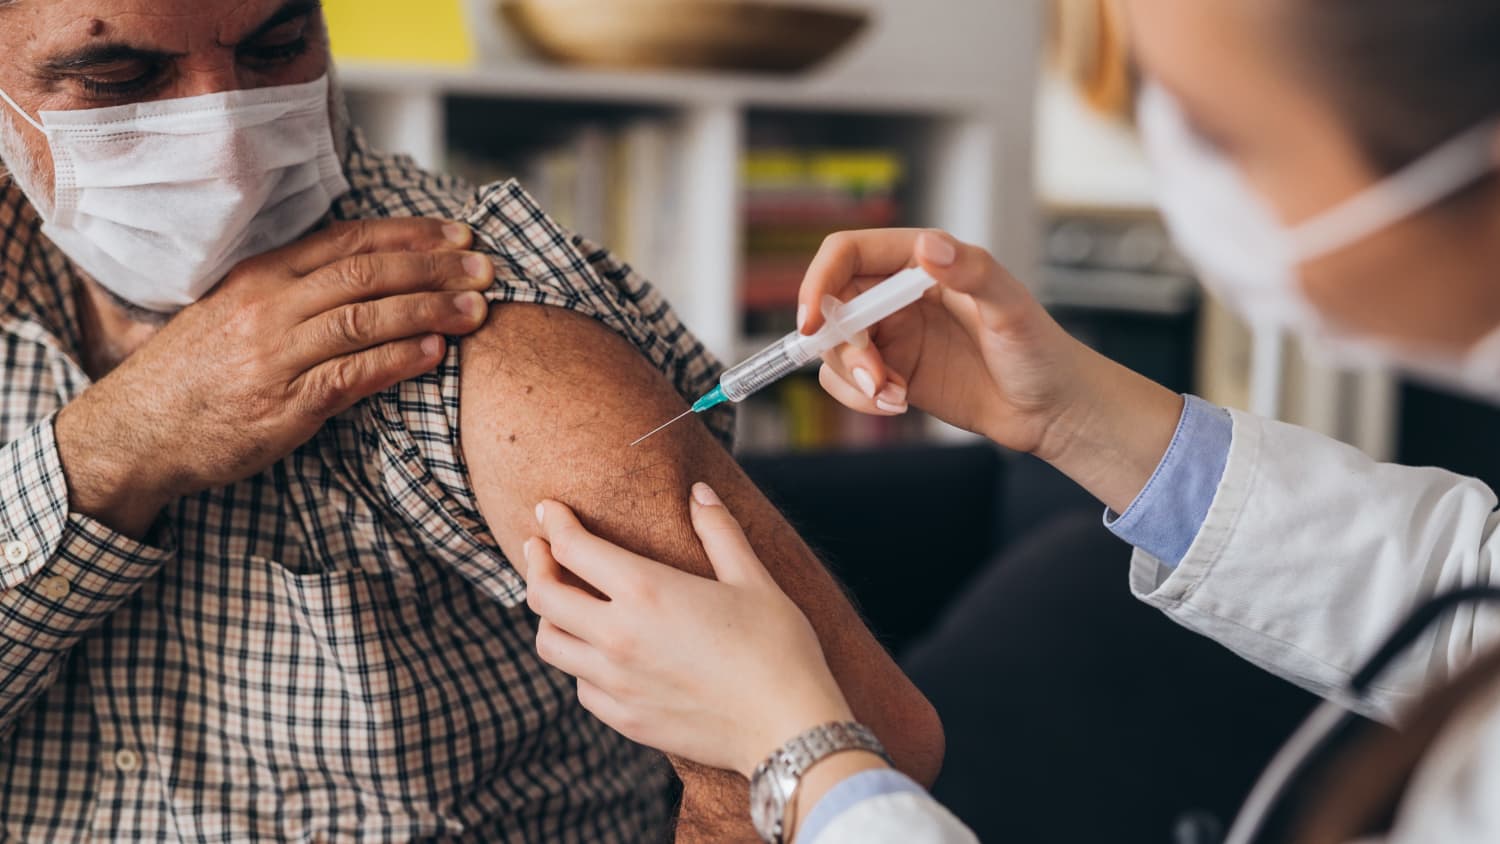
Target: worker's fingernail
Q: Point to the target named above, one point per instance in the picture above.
(431, 346)
(470, 304)
(541, 514)
(893, 394)
(891, 407)
(457, 234)
(801, 317)
(479, 266)
(864, 381)
(705, 495)
(937, 249)
(526, 549)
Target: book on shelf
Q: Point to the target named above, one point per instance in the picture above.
(613, 184)
(793, 199)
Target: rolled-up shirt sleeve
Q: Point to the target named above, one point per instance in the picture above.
(61, 573)
(1170, 510)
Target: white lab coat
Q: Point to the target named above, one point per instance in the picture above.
(1310, 556)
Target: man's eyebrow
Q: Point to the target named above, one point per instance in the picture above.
(290, 12)
(99, 55)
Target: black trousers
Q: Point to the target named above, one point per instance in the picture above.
(1075, 713)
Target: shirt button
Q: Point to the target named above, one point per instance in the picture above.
(127, 760)
(56, 588)
(16, 552)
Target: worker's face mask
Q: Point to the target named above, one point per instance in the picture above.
(158, 201)
(1247, 257)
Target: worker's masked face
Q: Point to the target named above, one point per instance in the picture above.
(1247, 257)
(157, 201)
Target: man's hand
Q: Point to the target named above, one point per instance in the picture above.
(290, 339)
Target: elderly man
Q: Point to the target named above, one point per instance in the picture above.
(256, 511)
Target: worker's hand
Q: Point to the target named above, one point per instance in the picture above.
(721, 672)
(978, 351)
(289, 339)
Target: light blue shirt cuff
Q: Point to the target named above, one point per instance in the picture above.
(1165, 518)
(865, 785)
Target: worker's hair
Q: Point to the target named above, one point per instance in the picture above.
(1406, 74)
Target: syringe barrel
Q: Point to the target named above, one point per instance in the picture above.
(765, 368)
(844, 320)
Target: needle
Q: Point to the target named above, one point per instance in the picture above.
(685, 414)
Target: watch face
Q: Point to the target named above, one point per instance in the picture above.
(765, 806)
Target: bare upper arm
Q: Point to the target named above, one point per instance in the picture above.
(551, 401)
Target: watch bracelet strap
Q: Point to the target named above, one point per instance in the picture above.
(812, 746)
(818, 743)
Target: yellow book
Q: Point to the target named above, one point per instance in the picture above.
(431, 33)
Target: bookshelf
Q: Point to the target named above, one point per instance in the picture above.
(952, 94)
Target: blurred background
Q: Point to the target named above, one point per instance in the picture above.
(714, 143)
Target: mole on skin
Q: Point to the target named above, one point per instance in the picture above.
(96, 27)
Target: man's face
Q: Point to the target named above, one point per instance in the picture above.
(61, 55)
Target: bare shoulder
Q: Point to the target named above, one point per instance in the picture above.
(550, 402)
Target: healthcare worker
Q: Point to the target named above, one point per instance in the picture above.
(1329, 166)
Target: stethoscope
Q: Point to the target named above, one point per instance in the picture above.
(1271, 808)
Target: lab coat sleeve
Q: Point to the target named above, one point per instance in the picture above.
(882, 807)
(61, 573)
(1311, 554)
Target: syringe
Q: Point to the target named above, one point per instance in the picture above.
(844, 321)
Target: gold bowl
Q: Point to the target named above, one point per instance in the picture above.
(739, 35)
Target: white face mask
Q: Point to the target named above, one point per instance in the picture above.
(158, 201)
(1252, 262)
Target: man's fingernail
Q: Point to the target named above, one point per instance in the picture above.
(470, 304)
(891, 407)
(526, 548)
(541, 513)
(864, 381)
(938, 250)
(860, 341)
(479, 266)
(456, 233)
(801, 317)
(893, 393)
(431, 345)
(705, 495)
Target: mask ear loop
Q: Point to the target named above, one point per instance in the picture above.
(16, 107)
(1438, 175)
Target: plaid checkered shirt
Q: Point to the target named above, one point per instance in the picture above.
(334, 649)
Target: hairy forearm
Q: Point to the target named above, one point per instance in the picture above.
(715, 806)
(527, 439)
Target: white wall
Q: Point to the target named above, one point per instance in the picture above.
(1084, 159)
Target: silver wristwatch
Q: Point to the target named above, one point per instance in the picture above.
(776, 779)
